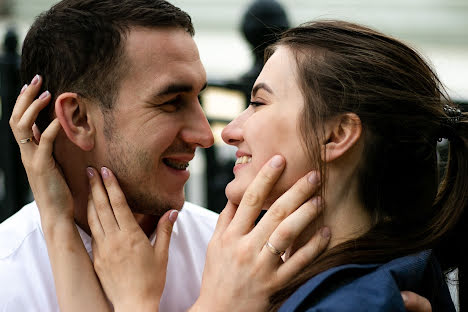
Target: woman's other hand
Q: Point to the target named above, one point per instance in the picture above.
(75, 281)
(415, 303)
(132, 271)
(51, 192)
(244, 266)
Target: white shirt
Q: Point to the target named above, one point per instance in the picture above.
(26, 280)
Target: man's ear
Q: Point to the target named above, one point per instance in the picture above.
(72, 113)
(341, 134)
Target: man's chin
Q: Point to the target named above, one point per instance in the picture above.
(155, 207)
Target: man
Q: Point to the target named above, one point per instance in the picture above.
(125, 78)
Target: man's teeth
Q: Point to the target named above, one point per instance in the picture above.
(176, 164)
(243, 160)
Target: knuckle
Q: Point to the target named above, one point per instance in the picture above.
(47, 137)
(302, 260)
(284, 233)
(120, 201)
(12, 121)
(243, 256)
(268, 176)
(304, 189)
(311, 211)
(167, 229)
(20, 124)
(277, 213)
(251, 198)
(98, 265)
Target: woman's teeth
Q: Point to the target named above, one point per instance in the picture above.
(243, 160)
(176, 164)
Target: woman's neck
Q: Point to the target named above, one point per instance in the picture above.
(343, 213)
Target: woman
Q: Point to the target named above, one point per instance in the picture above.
(366, 112)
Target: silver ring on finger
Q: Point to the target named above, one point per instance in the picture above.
(27, 140)
(273, 250)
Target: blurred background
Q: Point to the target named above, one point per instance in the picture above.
(227, 32)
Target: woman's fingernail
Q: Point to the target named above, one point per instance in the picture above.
(24, 88)
(313, 177)
(173, 216)
(90, 172)
(276, 162)
(105, 172)
(317, 201)
(35, 80)
(44, 95)
(325, 232)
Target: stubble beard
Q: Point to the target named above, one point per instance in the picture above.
(131, 166)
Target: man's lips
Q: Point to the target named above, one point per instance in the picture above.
(180, 162)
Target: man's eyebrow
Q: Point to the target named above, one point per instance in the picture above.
(176, 88)
(259, 86)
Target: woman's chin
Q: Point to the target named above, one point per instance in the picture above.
(234, 193)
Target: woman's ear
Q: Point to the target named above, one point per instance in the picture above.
(72, 113)
(341, 134)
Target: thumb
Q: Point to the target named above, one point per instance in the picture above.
(163, 236)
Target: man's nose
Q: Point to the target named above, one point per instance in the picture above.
(198, 130)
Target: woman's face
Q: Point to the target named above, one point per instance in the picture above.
(268, 127)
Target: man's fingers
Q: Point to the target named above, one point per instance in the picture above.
(101, 202)
(284, 206)
(415, 303)
(163, 236)
(118, 202)
(256, 193)
(304, 255)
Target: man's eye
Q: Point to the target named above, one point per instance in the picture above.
(255, 104)
(171, 105)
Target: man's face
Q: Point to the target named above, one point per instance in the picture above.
(157, 121)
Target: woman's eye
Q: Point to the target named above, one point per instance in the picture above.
(255, 104)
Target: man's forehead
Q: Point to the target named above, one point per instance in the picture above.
(160, 45)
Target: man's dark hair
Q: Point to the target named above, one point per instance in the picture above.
(77, 45)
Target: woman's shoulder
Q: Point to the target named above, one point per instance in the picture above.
(373, 287)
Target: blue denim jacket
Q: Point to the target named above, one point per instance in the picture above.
(373, 287)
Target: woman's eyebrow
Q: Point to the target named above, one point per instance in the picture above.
(259, 86)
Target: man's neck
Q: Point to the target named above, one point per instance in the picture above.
(148, 223)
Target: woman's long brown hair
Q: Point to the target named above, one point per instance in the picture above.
(344, 67)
